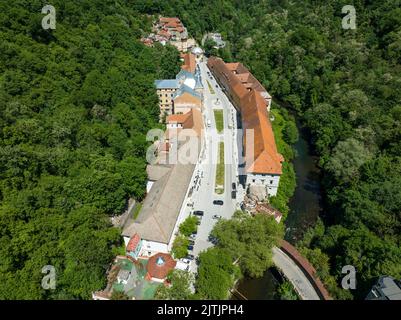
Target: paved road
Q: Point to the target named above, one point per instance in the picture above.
(295, 275)
(204, 195)
(205, 177)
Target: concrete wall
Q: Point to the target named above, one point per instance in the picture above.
(149, 248)
(271, 182)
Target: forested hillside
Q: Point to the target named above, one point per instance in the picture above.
(345, 86)
(75, 106)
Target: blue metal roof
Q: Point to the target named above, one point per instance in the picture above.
(184, 74)
(185, 89)
(167, 84)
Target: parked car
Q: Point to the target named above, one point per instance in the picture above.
(192, 236)
(191, 242)
(190, 248)
(212, 239)
(217, 217)
(234, 186)
(198, 213)
(218, 202)
(185, 260)
(233, 194)
(190, 257)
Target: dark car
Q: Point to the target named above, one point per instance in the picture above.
(190, 257)
(217, 217)
(212, 239)
(190, 248)
(233, 194)
(218, 202)
(234, 186)
(198, 213)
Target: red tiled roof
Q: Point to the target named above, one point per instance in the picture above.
(177, 118)
(190, 120)
(164, 33)
(265, 158)
(245, 92)
(189, 62)
(167, 20)
(172, 23)
(133, 242)
(160, 271)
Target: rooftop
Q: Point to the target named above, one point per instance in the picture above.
(264, 158)
(386, 288)
(162, 205)
(133, 242)
(186, 89)
(167, 84)
(160, 265)
(189, 62)
(250, 98)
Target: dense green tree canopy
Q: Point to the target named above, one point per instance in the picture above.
(178, 287)
(250, 240)
(345, 86)
(75, 106)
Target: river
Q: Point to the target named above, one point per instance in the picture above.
(305, 207)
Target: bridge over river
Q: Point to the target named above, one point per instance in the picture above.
(296, 269)
(299, 272)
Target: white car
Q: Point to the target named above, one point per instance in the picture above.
(186, 261)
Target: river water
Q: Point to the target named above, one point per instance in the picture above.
(305, 207)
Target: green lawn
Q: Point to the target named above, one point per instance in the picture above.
(137, 209)
(218, 117)
(219, 188)
(210, 87)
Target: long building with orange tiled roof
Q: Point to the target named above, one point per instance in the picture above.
(263, 163)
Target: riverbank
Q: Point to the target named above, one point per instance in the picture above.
(304, 207)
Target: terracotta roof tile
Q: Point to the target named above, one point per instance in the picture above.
(177, 118)
(246, 93)
(189, 62)
(133, 242)
(159, 265)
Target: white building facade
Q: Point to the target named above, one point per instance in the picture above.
(269, 181)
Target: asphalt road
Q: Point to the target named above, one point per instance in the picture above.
(205, 177)
(204, 195)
